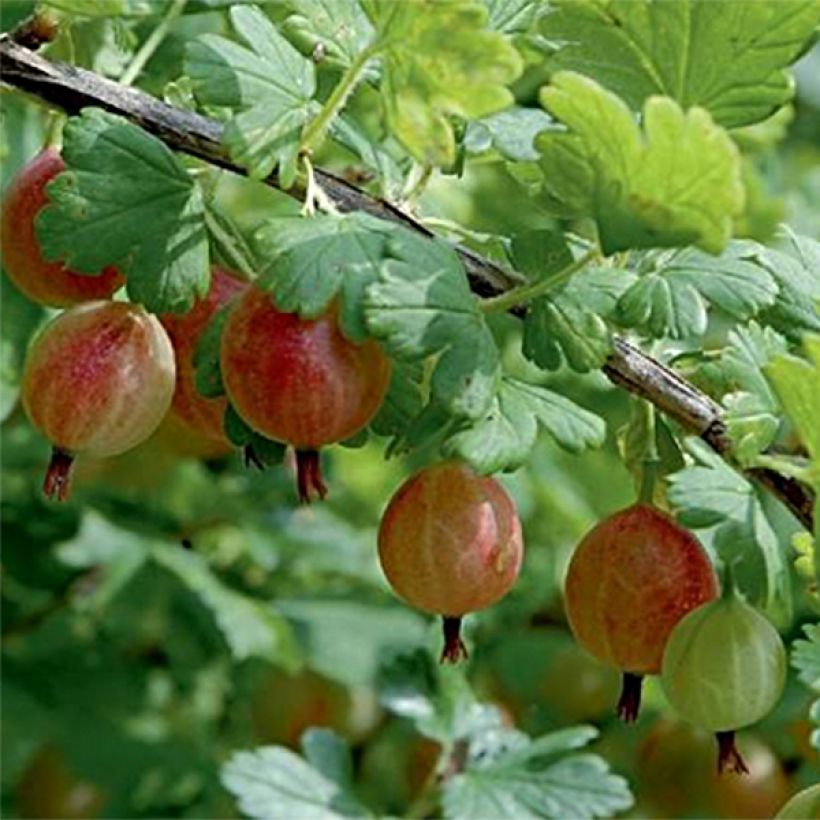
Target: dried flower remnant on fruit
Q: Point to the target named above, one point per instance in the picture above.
(450, 543)
(630, 580)
(300, 381)
(98, 379)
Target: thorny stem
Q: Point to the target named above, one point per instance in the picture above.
(315, 130)
(629, 703)
(132, 71)
(532, 290)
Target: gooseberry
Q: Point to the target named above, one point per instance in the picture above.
(450, 543)
(190, 409)
(630, 580)
(299, 381)
(48, 283)
(97, 379)
(724, 668)
(805, 805)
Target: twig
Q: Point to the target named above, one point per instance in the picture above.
(72, 89)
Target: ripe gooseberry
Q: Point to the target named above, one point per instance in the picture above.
(299, 381)
(48, 283)
(630, 580)
(190, 409)
(724, 668)
(450, 543)
(97, 379)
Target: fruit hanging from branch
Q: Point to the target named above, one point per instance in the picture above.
(98, 379)
(450, 543)
(48, 283)
(724, 668)
(630, 580)
(200, 415)
(299, 381)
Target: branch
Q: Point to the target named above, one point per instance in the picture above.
(71, 89)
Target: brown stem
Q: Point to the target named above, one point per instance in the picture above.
(729, 758)
(454, 647)
(309, 479)
(57, 482)
(629, 704)
(71, 89)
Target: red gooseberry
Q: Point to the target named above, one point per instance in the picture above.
(299, 381)
(97, 379)
(200, 415)
(450, 543)
(48, 283)
(630, 580)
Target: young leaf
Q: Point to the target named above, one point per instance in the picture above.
(676, 183)
(250, 628)
(511, 132)
(307, 263)
(269, 84)
(511, 16)
(671, 298)
(503, 440)
(529, 782)
(729, 58)
(422, 306)
(806, 657)
(118, 180)
(339, 26)
(274, 783)
(440, 61)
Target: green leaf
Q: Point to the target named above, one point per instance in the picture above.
(340, 26)
(250, 628)
(539, 253)
(751, 424)
(729, 58)
(118, 181)
(671, 299)
(257, 448)
(403, 402)
(511, 132)
(528, 782)
(19, 318)
(274, 783)
(89, 8)
(503, 440)
(329, 755)
(422, 306)
(307, 263)
(676, 182)
(440, 61)
(269, 84)
(806, 657)
(711, 495)
(511, 16)
(206, 356)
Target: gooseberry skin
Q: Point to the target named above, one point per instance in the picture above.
(805, 805)
(48, 283)
(98, 379)
(299, 381)
(724, 668)
(190, 409)
(630, 580)
(450, 543)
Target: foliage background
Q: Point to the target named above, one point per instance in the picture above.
(149, 666)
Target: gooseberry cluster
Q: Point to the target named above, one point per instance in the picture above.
(641, 592)
(642, 596)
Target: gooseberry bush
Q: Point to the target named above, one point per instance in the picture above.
(344, 337)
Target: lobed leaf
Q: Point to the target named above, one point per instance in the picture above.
(268, 84)
(118, 180)
(729, 58)
(676, 182)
